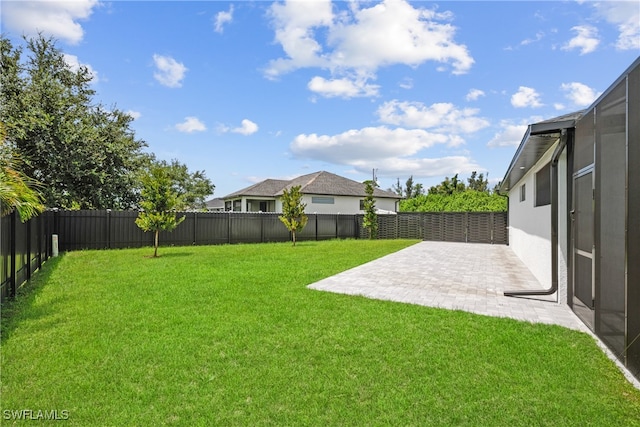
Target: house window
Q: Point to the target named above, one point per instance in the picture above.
(523, 193)
(543, 186)
(361, 204)
(322, 200)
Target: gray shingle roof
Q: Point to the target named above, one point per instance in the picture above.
(322, 182)
(266, 188)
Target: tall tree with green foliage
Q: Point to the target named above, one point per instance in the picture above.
(192, 188)
(448, 186)
(293, 216)
(83, 154)
(159, 204)
(410, 189)
(478, 182)
(370, 220)
(451, 195)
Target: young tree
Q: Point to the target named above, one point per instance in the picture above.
(370, 220)
(293, 216)
(160, 203)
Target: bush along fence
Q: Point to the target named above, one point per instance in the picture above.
(25, 246)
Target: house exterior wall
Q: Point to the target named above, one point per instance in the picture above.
(342, 204)
(314, 202)
(530, 226)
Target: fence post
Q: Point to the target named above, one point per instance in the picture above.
(466, 227)
(56, 223)
(491, 225)
(195, 226)
(39, 240)
(12, 251)
(28, 249)
(108, 228)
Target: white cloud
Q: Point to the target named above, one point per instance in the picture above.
(247, 127)
(526, 97)
(371, 143)
(626, 16)
(363, 39)
(510, 135)
(53, 18)
(539, 36)
(420, 167)
(221, 19)
(74, 63)
(169, 71)
(586, 39)
(191, 124)
(344, 87)
(294, 23)
(134, 114)
(441, 117)
(579, 94)
(474, 94)
(399, 150)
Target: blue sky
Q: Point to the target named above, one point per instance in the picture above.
(250, 90)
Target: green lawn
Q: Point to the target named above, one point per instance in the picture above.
(230, 335)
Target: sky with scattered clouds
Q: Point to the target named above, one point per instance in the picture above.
(250, 90)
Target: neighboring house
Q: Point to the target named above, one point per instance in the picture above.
(323, 193)
(215, 205)
(574, 213)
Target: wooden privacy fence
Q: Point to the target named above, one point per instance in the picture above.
(25, 246)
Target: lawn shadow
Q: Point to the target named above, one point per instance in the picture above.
(170, 255)
(26, 297)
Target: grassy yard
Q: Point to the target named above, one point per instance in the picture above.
(230, 335)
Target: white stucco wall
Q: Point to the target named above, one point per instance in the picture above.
(530, 227)
(563, 232)
(343, 205)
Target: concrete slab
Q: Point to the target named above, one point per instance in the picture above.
(456, 276)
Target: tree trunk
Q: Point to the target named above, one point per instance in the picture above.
(155, 245)
(293, 233)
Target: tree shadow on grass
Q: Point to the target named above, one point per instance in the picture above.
(12, 311)
(170, 255)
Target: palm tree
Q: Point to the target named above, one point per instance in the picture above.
(17, 191)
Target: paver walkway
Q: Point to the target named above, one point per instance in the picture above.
(459, 276)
